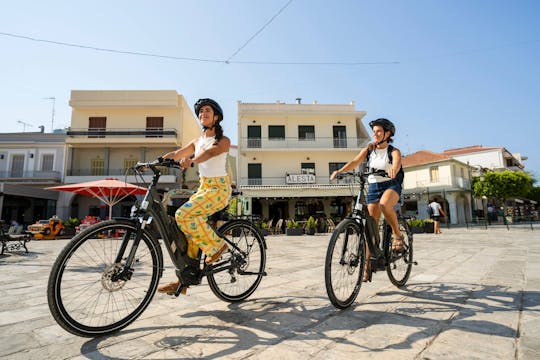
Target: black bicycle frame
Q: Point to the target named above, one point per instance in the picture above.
(366, 222)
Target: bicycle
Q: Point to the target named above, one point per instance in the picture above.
(346, 254)
(106, 276)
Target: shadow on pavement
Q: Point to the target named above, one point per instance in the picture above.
(429, 308)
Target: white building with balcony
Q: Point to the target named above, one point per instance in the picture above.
(432, 176)
(29, 162)
(287, 152)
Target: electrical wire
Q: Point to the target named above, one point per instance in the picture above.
(259, 31)
(183, 58)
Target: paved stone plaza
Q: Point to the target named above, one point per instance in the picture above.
(475, 294)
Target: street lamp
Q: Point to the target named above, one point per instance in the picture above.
(52, 118)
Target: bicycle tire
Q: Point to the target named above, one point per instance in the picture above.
(239, 274)
(344, 262)
(82, 297)
(399, 263)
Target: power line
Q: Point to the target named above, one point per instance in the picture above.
(110, 50)
(259, 31)
(135, 53)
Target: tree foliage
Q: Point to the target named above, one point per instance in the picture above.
(534, 194)
(502, 185)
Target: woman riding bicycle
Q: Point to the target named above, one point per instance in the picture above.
(209, 151)
(383, 192)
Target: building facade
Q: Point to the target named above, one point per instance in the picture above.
(30, 162)
(286, 153)
(114, 129)
(431, 176)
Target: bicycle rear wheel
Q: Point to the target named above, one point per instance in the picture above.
(345, 259)
(240, 272)
(400, 263)
(85, 297)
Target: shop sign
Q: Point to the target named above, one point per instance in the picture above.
(300, 179)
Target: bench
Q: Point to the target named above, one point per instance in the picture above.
(13, 238)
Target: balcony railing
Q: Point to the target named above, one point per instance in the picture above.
(113, 172)
(298, 143)
(104, 132)
(456, 181)
(30, 175)
(282, 181)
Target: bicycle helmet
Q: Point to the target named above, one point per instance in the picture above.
(217, 109)
(386, 124)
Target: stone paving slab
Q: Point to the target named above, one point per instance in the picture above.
(475, 294)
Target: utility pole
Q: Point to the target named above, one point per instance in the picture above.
(24, 124)
(53, 103)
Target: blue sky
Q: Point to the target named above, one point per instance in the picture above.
(448, 73)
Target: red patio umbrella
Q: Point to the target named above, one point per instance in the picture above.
(111, 191)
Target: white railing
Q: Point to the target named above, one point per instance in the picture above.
(297, 143)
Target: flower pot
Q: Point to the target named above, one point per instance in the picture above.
(429, 227)
(310, 231)
(295, 231)
(417, 229)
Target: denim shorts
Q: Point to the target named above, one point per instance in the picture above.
(375, 190)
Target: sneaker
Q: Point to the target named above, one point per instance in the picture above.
(170, 288)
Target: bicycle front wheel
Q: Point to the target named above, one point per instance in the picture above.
(240, 272)
(345, 260)
(88, 294)
(399, 263)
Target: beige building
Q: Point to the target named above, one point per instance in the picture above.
(286, 153)
(112, 130)
(429, 176)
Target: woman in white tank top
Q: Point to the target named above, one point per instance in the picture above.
(383, 192)
(209, 152)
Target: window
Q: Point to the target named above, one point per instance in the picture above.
(47, 162)
(276, 132)
(129, 163)
(17, 166)
(96, 127)
(306, 132)
(335, 166)
(154, 126)
(254, 174)
(434, 174)
(340, 136)
(254, 136)
(308, 168)
(97, 167)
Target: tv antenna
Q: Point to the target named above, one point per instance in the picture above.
(24, 124)
(53, 103)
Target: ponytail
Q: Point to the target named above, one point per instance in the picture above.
(219, 131)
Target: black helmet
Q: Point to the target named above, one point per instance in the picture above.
(217, 109)
(386, 124)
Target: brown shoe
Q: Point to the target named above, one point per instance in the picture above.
(170, 288)
(217, 255)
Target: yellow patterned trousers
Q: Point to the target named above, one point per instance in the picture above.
(213, 195)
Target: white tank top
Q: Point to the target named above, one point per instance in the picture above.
(213, 167)
(378, 160)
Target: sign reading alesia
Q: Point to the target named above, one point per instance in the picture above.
(300, 179)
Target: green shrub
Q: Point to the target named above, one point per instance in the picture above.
(311, 223)
(292, 224)
(416, 223)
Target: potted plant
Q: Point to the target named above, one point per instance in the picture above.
(311, 224)
(429, 226)
(293, 228)
(264, 228)
(416, 225)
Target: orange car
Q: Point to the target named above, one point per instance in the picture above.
(47, 229)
